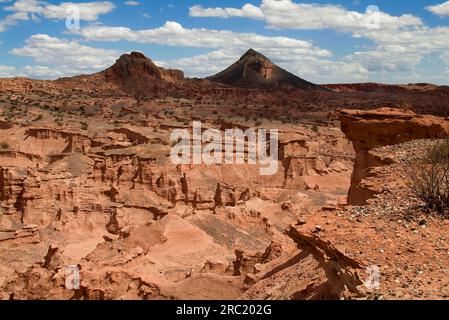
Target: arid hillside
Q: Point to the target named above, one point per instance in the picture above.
(86, 180)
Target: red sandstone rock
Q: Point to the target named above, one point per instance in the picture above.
(383, 127)
(86, 180)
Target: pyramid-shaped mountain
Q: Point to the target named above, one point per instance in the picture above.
(254, 70)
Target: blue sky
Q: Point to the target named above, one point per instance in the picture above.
(322, 41)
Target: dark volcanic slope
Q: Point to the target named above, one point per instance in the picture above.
(254, 70)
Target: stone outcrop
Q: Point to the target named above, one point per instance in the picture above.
(134, 73)
(382, 127)
(336, 275)
(13, 236)
(48, 140)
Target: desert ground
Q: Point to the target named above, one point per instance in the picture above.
(86, 180)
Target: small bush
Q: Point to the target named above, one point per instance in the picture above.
(4, 145)
(315, 128)
(430, 178)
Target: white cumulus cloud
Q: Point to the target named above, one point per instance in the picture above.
(57, 57)
(34, 9)
(7, 71)
(247, 11)
(441, 9)
(174, 34)
(132, 3)
(12, 19)
(286, 14)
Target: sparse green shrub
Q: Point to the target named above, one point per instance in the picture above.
(439, 153)
(430, 178)
(4, 145)
(315, 128)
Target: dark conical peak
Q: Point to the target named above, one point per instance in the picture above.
(253, 53)
(138, 55)
(254, 70)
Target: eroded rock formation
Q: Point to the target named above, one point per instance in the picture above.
(382, 127)
(86, 182)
